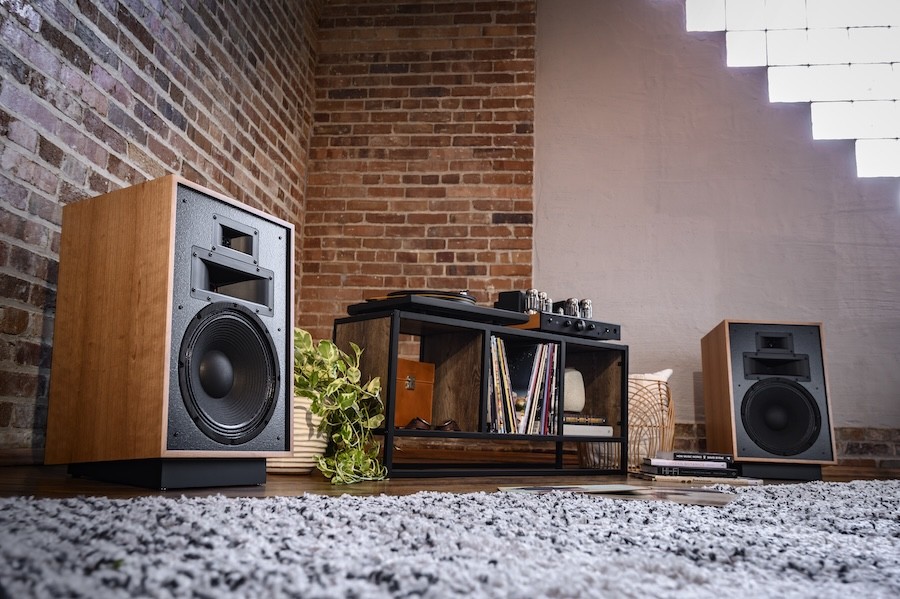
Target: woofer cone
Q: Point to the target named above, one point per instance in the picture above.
(781, 416)
(228, 372)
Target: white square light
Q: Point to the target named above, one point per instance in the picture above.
(789, 84)
(874, 44)
(828, 46)
(868, 13)
(833, 120)
(745, 48)
(787, 47)
(874, 82)
(785, 14)
(830, 13)
(878, 158)
(705, 15)
(830, 82)
(745, 15)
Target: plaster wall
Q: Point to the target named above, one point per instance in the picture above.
(670, 191)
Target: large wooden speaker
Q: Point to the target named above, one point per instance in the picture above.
(173, 341)
(765, 394)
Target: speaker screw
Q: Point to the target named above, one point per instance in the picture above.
(210, 254)
(215, 217)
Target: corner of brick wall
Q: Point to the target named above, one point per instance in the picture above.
(422, 154)
(101, 95)
(868, 447)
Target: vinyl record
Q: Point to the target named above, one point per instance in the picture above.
(459, 296)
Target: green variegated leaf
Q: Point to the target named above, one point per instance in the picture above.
(350, 410)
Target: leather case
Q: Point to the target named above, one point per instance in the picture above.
(415, 388)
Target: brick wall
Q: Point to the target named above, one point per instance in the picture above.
(866, 448)
(101, 94)
(422, 153)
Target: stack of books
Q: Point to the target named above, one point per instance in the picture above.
(580, 424)
(690, 463)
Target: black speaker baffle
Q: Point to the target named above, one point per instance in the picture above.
(229, 374)
(781, 416)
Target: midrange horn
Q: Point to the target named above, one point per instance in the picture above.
(781, 416)
(228, 371)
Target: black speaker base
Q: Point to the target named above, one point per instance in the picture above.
(176, 473)
(781, 471)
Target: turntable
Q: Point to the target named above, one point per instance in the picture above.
(451, 304)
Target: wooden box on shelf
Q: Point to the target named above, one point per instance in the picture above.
(415, 390)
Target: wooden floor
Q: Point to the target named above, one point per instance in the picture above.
(55, 482)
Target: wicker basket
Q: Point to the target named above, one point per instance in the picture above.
(307, 446)
(651, 418)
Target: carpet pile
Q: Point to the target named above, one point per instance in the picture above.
(795, 540)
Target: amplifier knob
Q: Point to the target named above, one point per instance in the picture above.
(567, 323)
(592, 326)
(579, 325)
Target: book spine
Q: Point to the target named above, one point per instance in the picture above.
(686, 463)
(573, 419)
(588, 430)
(680, 471)
(689, 456)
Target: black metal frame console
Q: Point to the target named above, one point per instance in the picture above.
(463, 391)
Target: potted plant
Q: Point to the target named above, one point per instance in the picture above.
(351, 411)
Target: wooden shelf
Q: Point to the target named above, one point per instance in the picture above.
(461, 353)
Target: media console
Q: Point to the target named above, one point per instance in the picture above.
(468, 395)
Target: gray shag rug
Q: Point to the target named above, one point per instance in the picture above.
(794, 540)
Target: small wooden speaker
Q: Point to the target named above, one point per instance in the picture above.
(765, 393)
(174, 329)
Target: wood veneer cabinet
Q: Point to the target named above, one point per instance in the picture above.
(461, 353)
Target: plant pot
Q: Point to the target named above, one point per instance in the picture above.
(308, 443)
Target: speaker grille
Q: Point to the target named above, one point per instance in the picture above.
(228, 372)
(781, 416)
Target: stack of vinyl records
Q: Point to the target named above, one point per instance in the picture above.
(690, 464)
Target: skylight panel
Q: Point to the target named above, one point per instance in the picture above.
(842, 56)
(785, 14)
(789, 84)
(878, 158)
(745, 15)
(705, 15)
(787, 47)
(874, 44)
(746, 48)
(828, 46)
